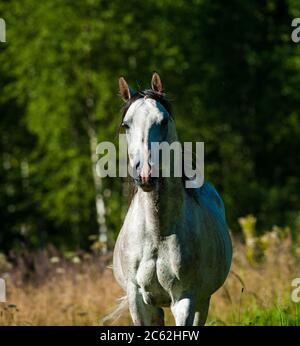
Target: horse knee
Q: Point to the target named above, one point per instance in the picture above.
(201, 313)
(142, 313)
(183, 312)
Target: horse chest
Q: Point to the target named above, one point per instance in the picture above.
(155, 277)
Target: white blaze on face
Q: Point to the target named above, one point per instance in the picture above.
(141, 116)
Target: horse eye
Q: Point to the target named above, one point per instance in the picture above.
(125, 125)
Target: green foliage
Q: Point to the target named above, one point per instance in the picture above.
(231, 70)
(278, 315)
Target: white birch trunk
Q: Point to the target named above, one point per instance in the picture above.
(100, 206)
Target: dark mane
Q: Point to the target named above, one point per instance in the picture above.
(159, 97)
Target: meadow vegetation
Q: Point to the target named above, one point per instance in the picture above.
(48, 288)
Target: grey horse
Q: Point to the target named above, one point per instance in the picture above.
(174, 248)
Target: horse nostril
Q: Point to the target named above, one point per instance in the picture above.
(137, 169)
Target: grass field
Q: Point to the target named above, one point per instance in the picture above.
(47, 288)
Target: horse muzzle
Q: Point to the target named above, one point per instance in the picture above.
(144, 179)
(148, 185)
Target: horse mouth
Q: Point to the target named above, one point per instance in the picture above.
(147, 186)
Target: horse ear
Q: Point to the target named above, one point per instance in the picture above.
(124, 89)
(156, 83)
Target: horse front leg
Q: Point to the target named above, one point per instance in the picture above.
(143, 314)
(201, 313)
(183, 311)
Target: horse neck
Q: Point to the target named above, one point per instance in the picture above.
(164, 205)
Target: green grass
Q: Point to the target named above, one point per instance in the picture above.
(278, 315)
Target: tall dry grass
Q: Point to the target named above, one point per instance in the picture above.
(79, 289)
(50, 290)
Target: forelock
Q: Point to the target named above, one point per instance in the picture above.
(151, 94)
